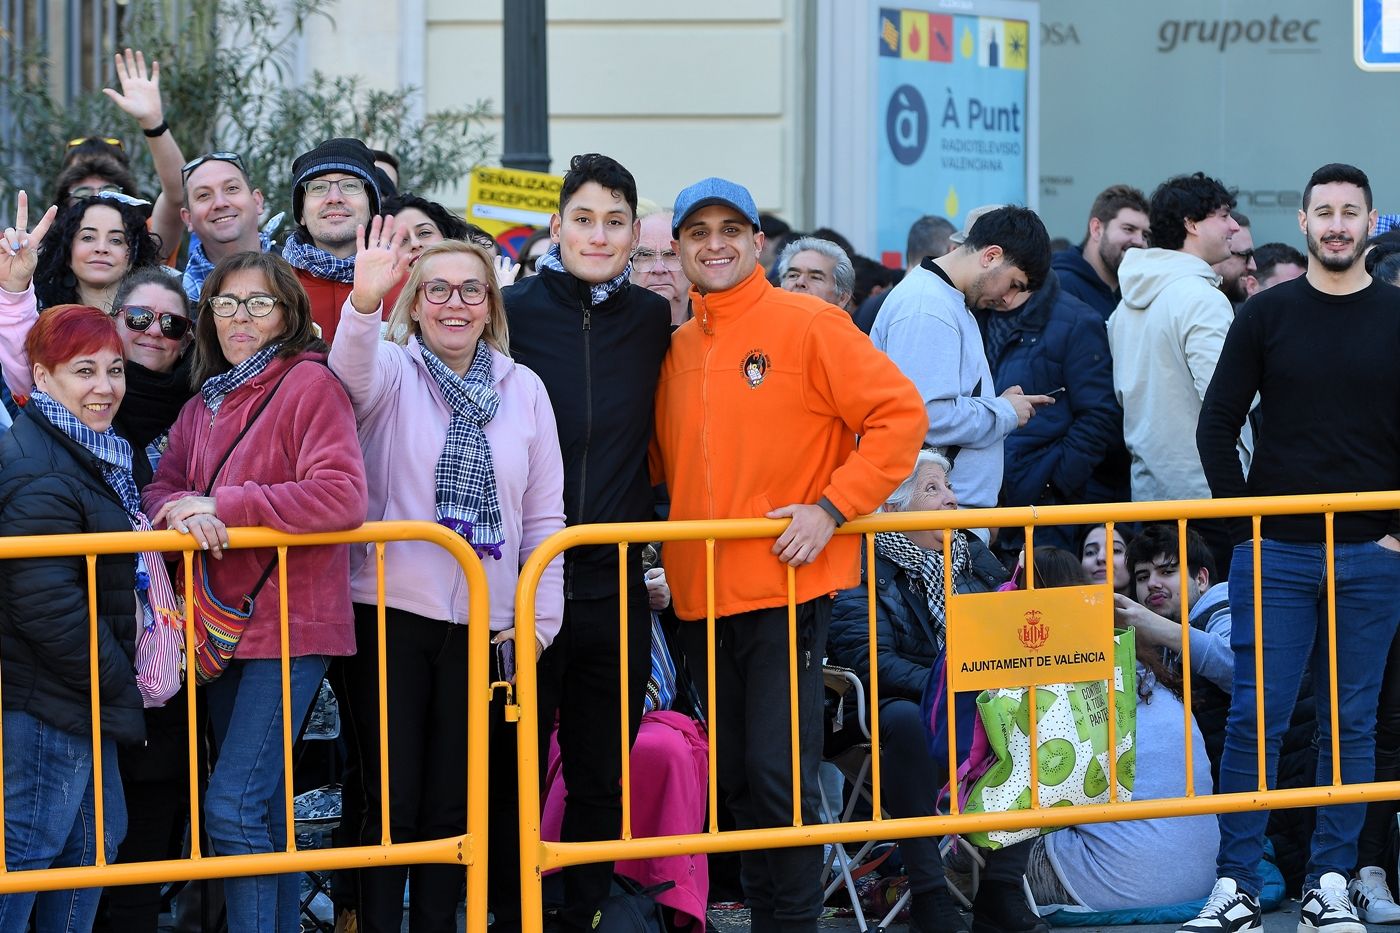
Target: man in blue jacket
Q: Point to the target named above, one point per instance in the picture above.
(1117, 222)
(1055, 345)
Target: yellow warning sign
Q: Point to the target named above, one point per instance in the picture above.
(1022, 638)
(501, 199)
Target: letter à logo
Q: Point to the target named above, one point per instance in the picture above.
(1035, 633)
(906, 124)
(755, 368)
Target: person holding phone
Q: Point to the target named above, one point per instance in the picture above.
(453, 431)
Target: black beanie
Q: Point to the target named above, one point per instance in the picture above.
(335, 155)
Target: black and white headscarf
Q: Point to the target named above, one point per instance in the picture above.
(465, 475)
(925, 569)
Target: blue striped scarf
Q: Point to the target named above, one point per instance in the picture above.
(597, 293)
(217, 388)
(465, 476)
(318, 262)
(109, 447)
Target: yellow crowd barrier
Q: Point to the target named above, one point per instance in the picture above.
(467, 850)
(538, 856)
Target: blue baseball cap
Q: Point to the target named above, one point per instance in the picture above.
(710, 191)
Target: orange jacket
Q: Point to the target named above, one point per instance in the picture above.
(760, 400)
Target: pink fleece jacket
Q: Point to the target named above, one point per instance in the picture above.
(18, 312)
(298, 469)
(403, 425)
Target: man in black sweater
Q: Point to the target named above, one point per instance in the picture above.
(1320, 351)
(597, 341)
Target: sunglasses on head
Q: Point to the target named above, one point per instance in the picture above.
(137, 318)
(232, 158)
(109, 140)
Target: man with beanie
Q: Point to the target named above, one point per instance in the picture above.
(597, 341)
(334, 190)
(760, 401)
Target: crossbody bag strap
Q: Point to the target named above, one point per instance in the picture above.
(267, 571)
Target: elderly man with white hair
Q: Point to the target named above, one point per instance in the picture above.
(818, 267)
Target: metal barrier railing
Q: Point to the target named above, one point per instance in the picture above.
(538, 856)
(467, 850)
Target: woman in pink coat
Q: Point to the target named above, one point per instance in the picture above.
(454, 431)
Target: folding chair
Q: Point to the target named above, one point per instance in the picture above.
(849, 748)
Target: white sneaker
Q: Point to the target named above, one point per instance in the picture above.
(1327, 909)
(1372, 897)
(1227, 910)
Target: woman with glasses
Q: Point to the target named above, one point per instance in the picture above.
(535, 246)
(268, 440)
(455, 432)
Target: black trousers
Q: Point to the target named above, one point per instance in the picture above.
(910, 781)
(1374, 842)
(426, 666)
(752, 736)
(579, 679)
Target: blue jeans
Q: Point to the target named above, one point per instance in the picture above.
(1294, 588)
(49, 819)
(244, 808)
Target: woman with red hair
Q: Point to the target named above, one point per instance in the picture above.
(65, 471)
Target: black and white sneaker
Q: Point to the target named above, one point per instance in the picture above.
(1328, 908)
(1227, 910)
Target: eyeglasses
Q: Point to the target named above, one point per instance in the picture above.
(644, 259)
(1245, 254)
(137, 318)
(319, 187)
(232, 158)
(439, 292)
(228, 305)
(91, 191)
(109, 140)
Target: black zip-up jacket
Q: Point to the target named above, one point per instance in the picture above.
(600, 365)
(50, 485)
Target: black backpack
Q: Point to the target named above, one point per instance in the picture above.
(634, 910)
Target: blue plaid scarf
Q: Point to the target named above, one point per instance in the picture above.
(317, 261)
(109, 447)
(198, 267)
(465, 476)
(217, 388)
(597, 293)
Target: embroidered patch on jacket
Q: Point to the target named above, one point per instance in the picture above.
(755, 368)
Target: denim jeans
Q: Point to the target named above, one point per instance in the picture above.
(244, 808)
(49, 819)
(1294, 588)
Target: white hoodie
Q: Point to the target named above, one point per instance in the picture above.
(1165, 337)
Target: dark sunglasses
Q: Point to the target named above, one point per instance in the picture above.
(137, 318)
(1245, 254)
(232, 158)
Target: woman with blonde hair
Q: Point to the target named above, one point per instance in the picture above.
(455, 432)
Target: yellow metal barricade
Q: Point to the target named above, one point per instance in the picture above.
(538, 856)
(467, 850)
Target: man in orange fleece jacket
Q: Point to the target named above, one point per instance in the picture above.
(761, 398)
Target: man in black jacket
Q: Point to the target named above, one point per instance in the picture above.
(597, 341)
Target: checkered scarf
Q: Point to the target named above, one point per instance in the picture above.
(925, 570)
(465, 475)
(198, 267)
(114, 453)
(597, 293)
(317, 261)
(217, 388)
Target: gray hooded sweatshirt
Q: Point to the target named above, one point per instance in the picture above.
(1165, 337)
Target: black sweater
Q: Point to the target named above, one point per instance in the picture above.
(599, 364)
(1325, 370)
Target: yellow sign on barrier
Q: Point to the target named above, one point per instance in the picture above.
(1027, 637)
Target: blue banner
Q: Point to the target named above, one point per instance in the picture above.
(952, 91)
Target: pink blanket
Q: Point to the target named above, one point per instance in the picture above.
(669, 780)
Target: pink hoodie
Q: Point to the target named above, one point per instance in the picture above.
(403, 422)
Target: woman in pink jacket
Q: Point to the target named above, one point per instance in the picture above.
(259, 366)
(455, 432)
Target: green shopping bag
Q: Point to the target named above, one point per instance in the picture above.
(1072, 734)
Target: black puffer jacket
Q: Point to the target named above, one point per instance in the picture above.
(599, 364)
(50, 485)
(902, 623)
